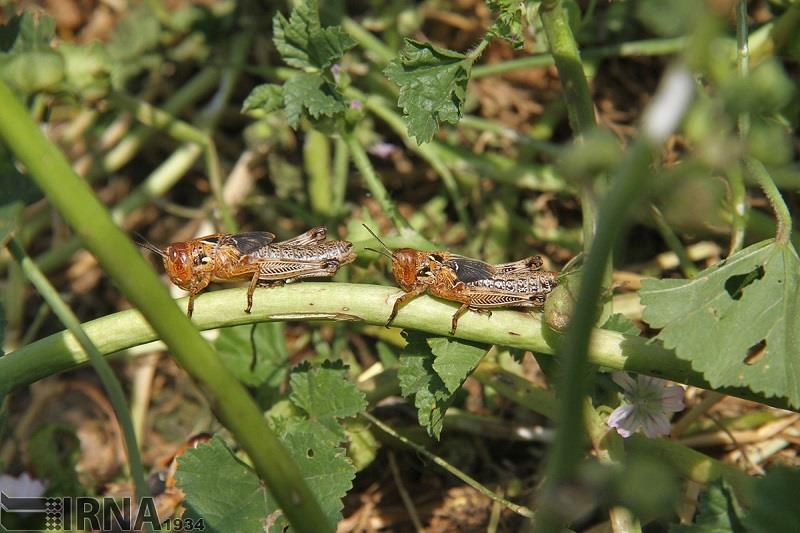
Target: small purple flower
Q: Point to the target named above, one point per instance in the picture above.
(335, 70)
(23, 486)
(382, 149)
(356, 104)
(648, 404)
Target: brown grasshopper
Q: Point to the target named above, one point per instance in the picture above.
(193, 264)
(477, 285)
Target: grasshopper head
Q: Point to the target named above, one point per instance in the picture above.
(406, 266)
(179, 263)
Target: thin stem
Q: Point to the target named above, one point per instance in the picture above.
(341, 160)
(519, 509)
(738, 192)
(757, 171)
(372, 45)
(337, 301)
(374, 183)
(123, 263)
(648, 47)
(674, 243)
(101, 366)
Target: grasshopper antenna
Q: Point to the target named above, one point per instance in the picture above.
(388, 252)
(144, 243)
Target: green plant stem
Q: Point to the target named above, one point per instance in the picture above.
(566, 450)
(341, 160)
(381, 53)
(317, 162)
(738, 192)
(374, 183)
(427, 151)
(570, 69)
(519, 509)
(648, 47)
(367, 304)
(119, 258)
(757, 171)
(674, 243)
(101, 366)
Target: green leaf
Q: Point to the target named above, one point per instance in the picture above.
(775, 502)
(508, 24)
(221, 489)
(265, 98)
(325, 393)
(717, 512)
(325, 466)
(417, 378)
(303, 44)
(622, 324)
(433, 86)
(313, 93)
(737, 322)
(455, 359)
(236, 346)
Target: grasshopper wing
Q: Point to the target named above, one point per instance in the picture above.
(248, 242)
(468, 269)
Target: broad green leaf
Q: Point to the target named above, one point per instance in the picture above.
(737, 322)
(717, 512)
(433, 86)
(775, 498)
(240, 347)
(325, 392)
(313, 93)
(455, 359)
(508, 24)
(265, 98)
(221, 489)
(419, 379)
(622, 324)
(325, 466)
(303, 44)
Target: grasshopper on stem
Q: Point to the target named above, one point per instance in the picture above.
(475, 284)
(193, 264)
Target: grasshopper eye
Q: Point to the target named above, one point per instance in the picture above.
(205, 260)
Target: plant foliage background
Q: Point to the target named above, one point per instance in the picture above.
(497, 130)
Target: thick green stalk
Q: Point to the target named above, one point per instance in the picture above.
(566, 449)
(374, 183)
(101, 366)
(367, 304)
(120, 259)
(317, 162)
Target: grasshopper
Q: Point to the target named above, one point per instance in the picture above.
(475, 284)
(193, 264)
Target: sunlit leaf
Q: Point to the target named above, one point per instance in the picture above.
(737, 322)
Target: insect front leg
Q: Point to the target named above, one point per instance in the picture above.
(458, 314)
(404, 298)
